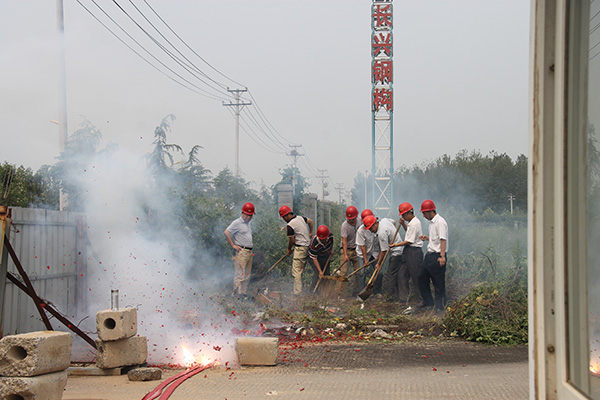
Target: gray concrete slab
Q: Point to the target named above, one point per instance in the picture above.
(422, 370)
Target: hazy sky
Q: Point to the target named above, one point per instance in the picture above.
(460, 80)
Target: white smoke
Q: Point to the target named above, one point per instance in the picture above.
(151, 267)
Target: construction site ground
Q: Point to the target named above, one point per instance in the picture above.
(426, 368)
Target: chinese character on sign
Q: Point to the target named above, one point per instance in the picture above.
(382, 16)
(382, 43)
(382, 98)
(382, 72)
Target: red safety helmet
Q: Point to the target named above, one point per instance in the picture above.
(404, 208)
(322, 232)
(284, 210)
(369, 221)
(351, 212)
(248, 208)
(427, 205)
(365, 212)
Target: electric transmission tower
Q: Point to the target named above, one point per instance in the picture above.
(382, 106)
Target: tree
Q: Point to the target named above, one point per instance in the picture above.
(71, 169)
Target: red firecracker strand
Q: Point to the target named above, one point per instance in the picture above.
(173, 382)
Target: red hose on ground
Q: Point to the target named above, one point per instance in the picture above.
(175, 381)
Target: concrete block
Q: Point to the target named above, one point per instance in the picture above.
(116, 324)
(145, 374)
(121, 353)
(35, 353)
(41, 387)
(257, 350)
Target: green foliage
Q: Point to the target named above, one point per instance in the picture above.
(491, 314)
(22, 188)
(469, 181)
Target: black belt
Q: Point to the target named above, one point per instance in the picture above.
(246, 248)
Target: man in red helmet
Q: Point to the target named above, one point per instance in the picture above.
(434, 264)
(239, 236)
(299, 232)
(320, 251)
(388, 235)
(348, 254)
(367, 247)
(413, 255)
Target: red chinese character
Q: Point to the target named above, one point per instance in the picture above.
(382, 71)
(382, 43)
(382, 16)
(382, 98)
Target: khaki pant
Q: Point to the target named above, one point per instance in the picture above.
(352, 259)
(300, 257)
(242, 265)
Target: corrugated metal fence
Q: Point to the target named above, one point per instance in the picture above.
(51, 246)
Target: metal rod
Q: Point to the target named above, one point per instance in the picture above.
(52, 311)
(114, 299)
(23, 274)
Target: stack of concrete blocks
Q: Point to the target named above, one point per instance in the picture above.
(117, 343)
(33, 366)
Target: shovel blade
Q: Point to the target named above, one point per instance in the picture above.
(366, 292)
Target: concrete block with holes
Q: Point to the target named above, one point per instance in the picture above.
(35, 353)
(42, 387)
(257, 350)
(121, 353)
(116, 324)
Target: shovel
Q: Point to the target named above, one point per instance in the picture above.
(368, 290)
(258, 277)
(346, 278)
(322, 276)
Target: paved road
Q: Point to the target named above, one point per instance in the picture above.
(424, 369)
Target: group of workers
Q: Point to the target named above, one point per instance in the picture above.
(366, 244)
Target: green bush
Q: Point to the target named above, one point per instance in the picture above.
(490, 313)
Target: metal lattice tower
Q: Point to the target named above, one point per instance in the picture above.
(382, 101)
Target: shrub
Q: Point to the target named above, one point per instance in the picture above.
(490, 313)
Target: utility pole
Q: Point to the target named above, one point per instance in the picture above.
(295, 154)
(323, 177)
(62, 97)
(511, 198)
(340, 188)
(366, 191)
(238, 107)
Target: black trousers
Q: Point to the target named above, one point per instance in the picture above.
(392, 276)
(410, 269)
(433, 272)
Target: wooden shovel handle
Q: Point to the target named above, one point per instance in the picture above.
(376, 272)
(363, 267)
(274, 265)
(322, 272)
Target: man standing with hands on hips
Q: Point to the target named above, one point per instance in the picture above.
(434, 264)
(239, 236)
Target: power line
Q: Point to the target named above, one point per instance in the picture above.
(164, 49)
(192, 50)
(199, 90)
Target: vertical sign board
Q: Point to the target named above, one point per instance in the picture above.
(382, 105)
